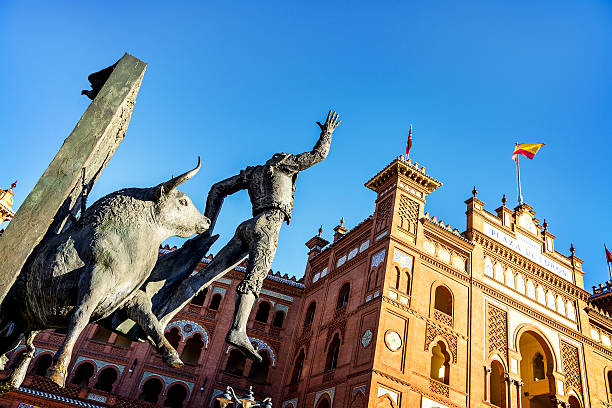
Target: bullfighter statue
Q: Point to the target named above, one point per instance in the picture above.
(271, 188)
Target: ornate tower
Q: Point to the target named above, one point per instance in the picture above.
(401, 188)
(6, 204)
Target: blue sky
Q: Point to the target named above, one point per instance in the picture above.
(239, 81)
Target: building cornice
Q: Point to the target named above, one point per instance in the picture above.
(530, 269)
(410, 170)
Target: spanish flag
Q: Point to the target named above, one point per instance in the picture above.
(528, 150)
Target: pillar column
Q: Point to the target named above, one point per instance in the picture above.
(181, 345)
(519, 391)
(487, 383)
(508, 382)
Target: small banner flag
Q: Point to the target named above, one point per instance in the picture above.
(528, 150)
(608, 254)
(409, 143)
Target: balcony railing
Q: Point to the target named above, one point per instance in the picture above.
(328, 376)
(439, 387)
(340, 312)
(443, 318)
(259, 326)
(193, 309)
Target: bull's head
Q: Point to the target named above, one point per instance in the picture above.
(176, 211)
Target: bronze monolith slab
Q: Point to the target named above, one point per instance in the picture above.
(90, 146)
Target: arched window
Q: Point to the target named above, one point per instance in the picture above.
(323, 403)
(279, 318)
(123, 341)
(198, 299)
(310, 313)
(539, 371)
(263, 311)
(42, 365)
(215, 301)
(444, 300)
(193, 349)
(235, 362)
(101, 334)
(82, 375)
(343, 295)
(259, 371)
(333, 351)
(372, 280)
(173, 336)
(151, 390)
(497, 389)
(407, 283)
(440, 363)
(573, 402)
(175, 396)
(106, 379)
(397, 282)
(297, 368)
(15, 358)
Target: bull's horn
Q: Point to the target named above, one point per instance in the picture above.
(174, 182)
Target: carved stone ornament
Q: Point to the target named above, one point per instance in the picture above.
(393, 340)
(366, 338)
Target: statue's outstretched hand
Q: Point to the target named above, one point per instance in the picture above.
(331, 123)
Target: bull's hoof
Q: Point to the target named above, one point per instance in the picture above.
(57, 376)
(173, 360)
(241, 341)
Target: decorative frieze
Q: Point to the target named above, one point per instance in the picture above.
(378, 259)
(408, 213)
(383, 215)
(570, 361)
(497, 331)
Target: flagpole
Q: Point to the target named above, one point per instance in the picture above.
(608, 262)
(518, 179)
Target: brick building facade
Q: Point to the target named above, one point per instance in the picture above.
(402, 311)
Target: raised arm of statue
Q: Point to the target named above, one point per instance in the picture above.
(219, 191)
(321, 148)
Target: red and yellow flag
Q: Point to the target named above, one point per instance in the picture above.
(528, 150)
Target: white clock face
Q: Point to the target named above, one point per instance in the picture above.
(366, 338)
(393, 340)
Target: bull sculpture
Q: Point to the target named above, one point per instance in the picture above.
(94, 268)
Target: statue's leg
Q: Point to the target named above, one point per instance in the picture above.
(89, 298)
(14, 380)
(263, 239)
(139, 310)
(228, 257)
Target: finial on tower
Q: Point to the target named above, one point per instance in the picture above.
(339, 230)
(474, 192)
(504, 200)
(320, 230)
(545, 225)
(13, 185)
(572, 249)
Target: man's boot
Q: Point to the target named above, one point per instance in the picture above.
(237, 335)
